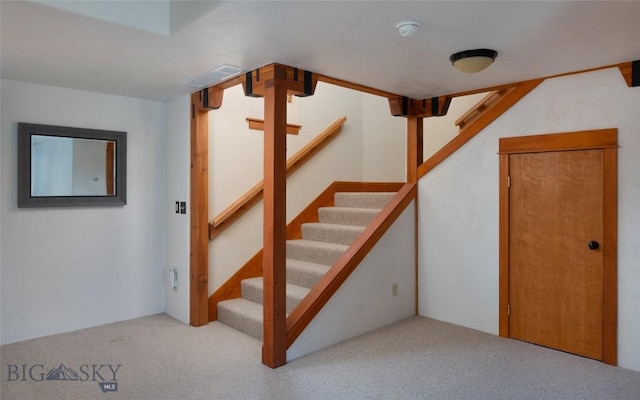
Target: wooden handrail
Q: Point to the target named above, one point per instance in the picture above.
(311, 305)
(249, 199)
(231, 289)
(480, 107)
(489, 115)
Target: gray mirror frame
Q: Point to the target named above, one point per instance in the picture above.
(26, 130)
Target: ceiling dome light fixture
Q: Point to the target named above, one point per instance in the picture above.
(472, 61)
(408, 28)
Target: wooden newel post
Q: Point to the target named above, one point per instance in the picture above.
(273, 82)
(274, 351)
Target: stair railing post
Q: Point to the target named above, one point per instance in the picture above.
(274, 350)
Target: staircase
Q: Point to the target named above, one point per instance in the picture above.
(308, 258)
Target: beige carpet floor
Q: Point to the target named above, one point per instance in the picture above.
(417, 358)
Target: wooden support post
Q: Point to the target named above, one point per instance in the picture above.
(274, 82)
(199, 258)
(415, 155)
(274, 350)
(414, 147)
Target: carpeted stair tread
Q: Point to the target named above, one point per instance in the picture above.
(252, 289)
(303, 273)
(375, 200)
(314, 251)
(331, 233)
(347, 215)
(243, 315)
(308, 259)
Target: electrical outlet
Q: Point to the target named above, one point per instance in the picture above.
(173, 277)
(394, 289)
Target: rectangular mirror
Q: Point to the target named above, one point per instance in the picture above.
(65, 167)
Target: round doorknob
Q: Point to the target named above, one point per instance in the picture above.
(593, 245)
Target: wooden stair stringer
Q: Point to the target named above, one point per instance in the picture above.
(328, 285)
(509, 98)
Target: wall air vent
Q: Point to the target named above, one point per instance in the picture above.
(211, 77)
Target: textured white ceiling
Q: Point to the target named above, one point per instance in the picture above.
(352, 40)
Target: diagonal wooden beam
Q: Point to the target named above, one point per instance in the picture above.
(490, 115)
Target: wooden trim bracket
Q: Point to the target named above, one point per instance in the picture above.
(258, 125)
(402, 106)
(631, 72)
(298, 82)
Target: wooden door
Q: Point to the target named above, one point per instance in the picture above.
(558, 192)
(556, 277)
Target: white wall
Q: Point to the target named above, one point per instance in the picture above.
(367, 293)
(236, 157)
(178, 159)
(438, 131)
(384, 142)
(458, 207)
(69, 268)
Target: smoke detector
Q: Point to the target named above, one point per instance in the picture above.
(408, 28)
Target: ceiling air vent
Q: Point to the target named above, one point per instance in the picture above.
(211, 77)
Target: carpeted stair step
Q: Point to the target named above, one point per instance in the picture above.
(308, 259)
(314, 251)
(304, 273)
(242, 314)
(331, 233)
(375, 200)
(347, 215)
(252, 289)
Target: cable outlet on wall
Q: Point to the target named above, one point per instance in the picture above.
(394, 289)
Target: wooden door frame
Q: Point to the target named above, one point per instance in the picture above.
(606, 140)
